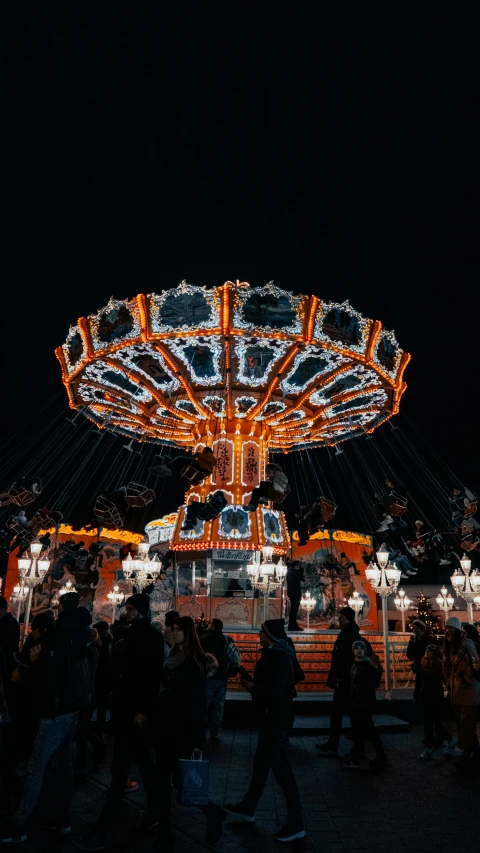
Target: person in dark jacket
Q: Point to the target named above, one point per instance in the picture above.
(339, 677)
(273, 692)
(25, 683)
(365, 675)
(9, 635)
(181, 722)
(136, 666)
(101, 692)
(431, 695)
(82, 732)
(416, 648)
(295, 577)
(63, 679)
(217, 644)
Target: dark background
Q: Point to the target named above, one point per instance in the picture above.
(336, 153)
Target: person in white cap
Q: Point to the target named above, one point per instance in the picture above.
(461, 665)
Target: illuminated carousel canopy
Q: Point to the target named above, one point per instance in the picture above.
(174, 367)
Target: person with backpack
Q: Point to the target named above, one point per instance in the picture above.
(216, 643)
(461, 666)
(63, 682)
(365, 676)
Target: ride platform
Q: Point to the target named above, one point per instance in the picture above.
(314, 653)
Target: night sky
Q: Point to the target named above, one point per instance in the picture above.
(213, 141)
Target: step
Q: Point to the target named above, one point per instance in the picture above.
(321, 724)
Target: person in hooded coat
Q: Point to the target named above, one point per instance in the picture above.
(273, 691)
(339, 677)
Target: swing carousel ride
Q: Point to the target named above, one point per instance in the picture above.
(241, 371)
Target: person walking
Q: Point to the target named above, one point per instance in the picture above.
(431, 697)
(338, 678)
(64, 683)
(136, 666)
(273, 691)
(181, 722)
(295, 576)
(227, 655)
(460, 667)
(365, 675)
(417, 645)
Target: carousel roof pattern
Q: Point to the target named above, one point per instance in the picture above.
(169, 367)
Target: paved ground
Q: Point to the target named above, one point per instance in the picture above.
(411, 806)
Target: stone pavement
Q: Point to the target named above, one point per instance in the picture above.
(410, 807)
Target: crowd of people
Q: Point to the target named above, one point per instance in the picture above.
(447, 669)
(161, 692)
(147, 694)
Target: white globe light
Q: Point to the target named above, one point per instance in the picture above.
(382, 557)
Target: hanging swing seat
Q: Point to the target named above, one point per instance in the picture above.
(328, 509)
(137, 495)
(397, 506)
(213, 506)
(21, 496)
(108, 514)
(193, 475)
(276, 496)
(468, 543)
(470, 510)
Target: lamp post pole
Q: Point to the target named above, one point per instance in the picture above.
(116, 597)
(445, 601)
(308, 603)
(266, 575)
(467, 585)
(384, 578)
(356, 603)
(32, 571)
(402, 603)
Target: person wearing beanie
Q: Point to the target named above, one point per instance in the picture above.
(417, 645)
(365, 675)
(338, 678)
(136, 671)
(273, 691)
(461, 666)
